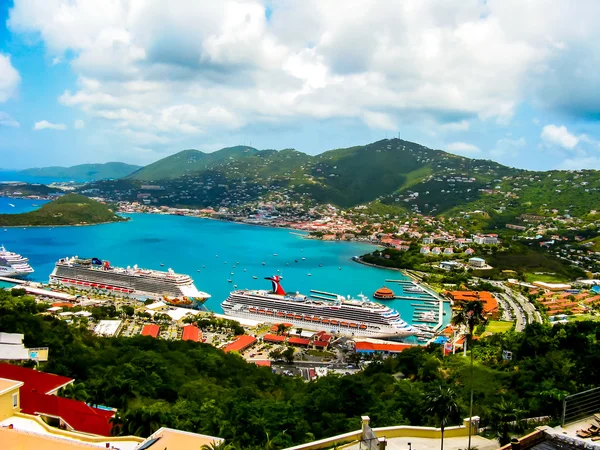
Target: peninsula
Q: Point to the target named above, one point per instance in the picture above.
(71, 209)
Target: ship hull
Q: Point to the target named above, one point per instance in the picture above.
(387, 333)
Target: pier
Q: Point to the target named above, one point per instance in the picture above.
(13, 280)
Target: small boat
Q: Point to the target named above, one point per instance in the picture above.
(217, 256)
(303, 259)
(275, 254)
(320, 265)
(235, 286)
(230, 280)
(309, 274)
(198, 270)
(204, 267)
(5, 230)
(255, 277)
(263, 263)
(295, 260)
(244, 270)
(11, 205)
(231, 273)
(339, 268)
(162, 264)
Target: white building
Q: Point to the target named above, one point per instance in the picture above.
(107, 328)
(477, 262)
(450, 265)
(425, 250)
(12, 348)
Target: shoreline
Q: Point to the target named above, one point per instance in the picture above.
(56, 226)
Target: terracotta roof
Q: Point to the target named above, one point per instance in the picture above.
(150, 330)
(320, 344)
(34, 380)
(263, 363)
(63, 305)
(370, 346)
(240, 344)
(191, 333)
(298, 341)
(490, 303)
(273, 338)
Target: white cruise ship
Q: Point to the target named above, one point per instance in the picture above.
(13, 265)
(87, 274)
(340, 315)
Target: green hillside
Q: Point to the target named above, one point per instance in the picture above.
(190, 161)
(71, 209)
(85, 172)
(390, 174)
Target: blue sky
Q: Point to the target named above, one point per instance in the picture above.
(137, 81)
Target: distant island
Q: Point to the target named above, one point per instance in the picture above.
(71, 209)
(85, 172)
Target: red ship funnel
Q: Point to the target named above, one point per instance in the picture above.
(277, 289)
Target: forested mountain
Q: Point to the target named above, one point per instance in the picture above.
(84, 172)
(400, 174)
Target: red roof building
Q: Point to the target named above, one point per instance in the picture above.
(33, 380)
(74, 414)
(370, 347)
(240, 344)
(191, 333)
(263, 363)
(151, 330)
(37, 398)
(320, 344)
(298, 341)
(273, 338)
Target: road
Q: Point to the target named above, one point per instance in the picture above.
(523, 310)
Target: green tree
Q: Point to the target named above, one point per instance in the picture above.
(504, 418)
(470, 315)
(288, 354)
(441, 402)
(218, 446)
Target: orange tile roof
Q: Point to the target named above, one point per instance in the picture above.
(322, 344)
(273, 338)
(240, 344)
(298, 341)
(63, 305)
(191, 333)
(490, 303)
(263, 363)
(150, 330)
(370, 346)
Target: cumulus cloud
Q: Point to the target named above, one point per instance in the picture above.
(559, 136)
(7, 121)
(45, 125)
(584, 162)
(164, 68)
(79, 124)
(9, 78)
(463, 148)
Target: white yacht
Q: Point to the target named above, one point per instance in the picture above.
(13, 265)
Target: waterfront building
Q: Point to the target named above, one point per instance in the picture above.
(191, 333)
(490, 304)
(151, 330)
(241, 343)
(379, 348)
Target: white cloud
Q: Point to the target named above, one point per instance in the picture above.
(560, 136)
(508, 147)
(9, 78)
(7, 121)
(79, 124)
(584, 162)
(463, 125)
(164, 68)
(45, 125)
(463, 148)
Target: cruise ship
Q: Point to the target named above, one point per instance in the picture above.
(13, 265)
(176, 289)
(338, 314)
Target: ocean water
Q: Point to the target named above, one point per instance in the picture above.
(18, 205)
(11, 175)
(208, 250)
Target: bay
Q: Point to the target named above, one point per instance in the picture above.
(209, 251)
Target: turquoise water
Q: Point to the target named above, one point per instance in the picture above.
(20, 205)
(188, 244)
(11, 175)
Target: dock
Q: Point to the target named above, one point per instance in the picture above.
(13, 280)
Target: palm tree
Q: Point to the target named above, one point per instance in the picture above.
(504, 419)
(214, 445)
(441, 402)
(470, 315)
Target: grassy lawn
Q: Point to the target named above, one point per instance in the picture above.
(531, 277)
(496, 326)
(582, 317)
(596, 242)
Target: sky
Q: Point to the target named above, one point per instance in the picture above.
(85, 81)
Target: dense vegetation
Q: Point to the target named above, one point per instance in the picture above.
(199, 388)
(71, 209)
(84, 172)
(399, 174)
